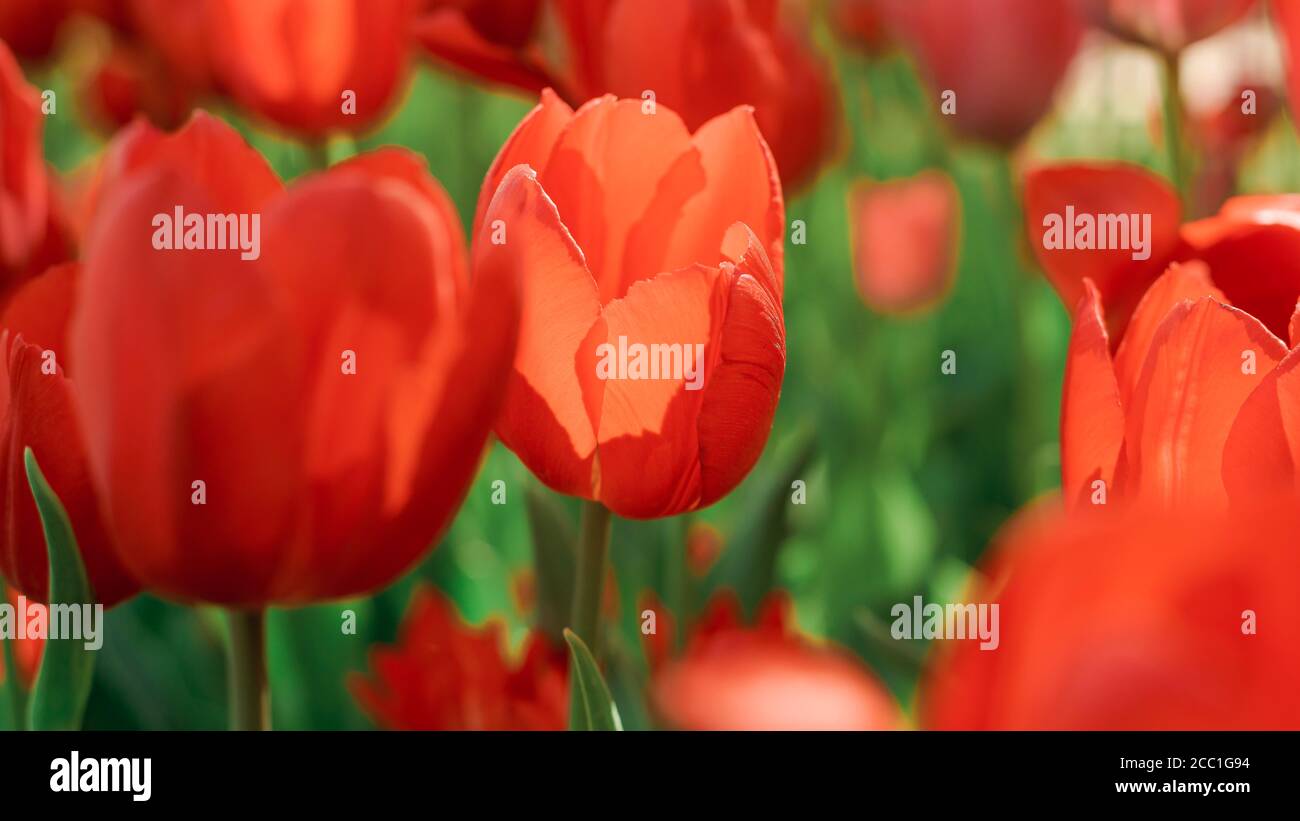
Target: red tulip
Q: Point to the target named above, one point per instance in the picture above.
(1167, 25)
(1286, 16)
(860, 23)
(1131, 619)
(630, 232)
(446, 675)
(487, 38)
(24, 189)
(1175, 395)
(764, 677)
(37, 411)
(293, 62)
(701, 58)
(905, 240)
(27, 654)
(1002, 58)
(332, 390)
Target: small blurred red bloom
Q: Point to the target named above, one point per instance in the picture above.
(27, 654)
(447, 675)
(1003, 59)
(1131, 619)
(733, 676)
(905, 240)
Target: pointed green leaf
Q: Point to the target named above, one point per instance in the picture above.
(63, 684)
(598, 711)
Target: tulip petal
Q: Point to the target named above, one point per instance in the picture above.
(545, 418)
(530, 145)
(144, 336)
(729, 177)
(600, 194)
(649, 444)
(1192, 386)
(1189, 280)
(1263, 447)
(1256, 264)
(41, 310)
(1093, 189)
(450, 37)
(1092, 412)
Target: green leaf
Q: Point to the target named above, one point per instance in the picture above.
(13, 699)
(553, 539)
(67, 667)
(748, 565)
(598, 709)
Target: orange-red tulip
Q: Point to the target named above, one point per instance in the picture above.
(293, 62)
(860, 23)
(630, 231)
(1180, 393)
(1002, 58)
(1166, 25)
(37, 411)
(905, 240)
(493, 39)
(446, 675)
(1132, 619)
(333, 393)
(733, 676)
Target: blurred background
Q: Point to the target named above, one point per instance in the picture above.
(908, 471)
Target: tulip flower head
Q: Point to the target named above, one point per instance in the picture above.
(1132, 618)
(38, 411)
(1168, 26)
(1179, 367)
(733, 676)
(447, 675)
(293, 423)
(652, 344)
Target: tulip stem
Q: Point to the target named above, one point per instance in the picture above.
(1172, 115)
(593, 546)
(250, 696)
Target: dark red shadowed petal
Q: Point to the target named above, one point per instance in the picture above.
(1100, 188)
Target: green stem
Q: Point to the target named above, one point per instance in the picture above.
(250, 696)
(1172, 119)
(13, 686)
(318, 155)
(589, 584)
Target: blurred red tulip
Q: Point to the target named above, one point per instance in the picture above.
(37, 411)
(312, 66)
(1166, 25)
(906, 236)
(1002, 58)
(630, 232)
(132, 81)
(1286, 16)
(701, 58)
(24, 189)
(331, 389)
(493, 39)
(1131, 619)
(28, 27)
(446, 675)
(764, 677)
(27, 653)
(860, 23)
(1152, 392)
